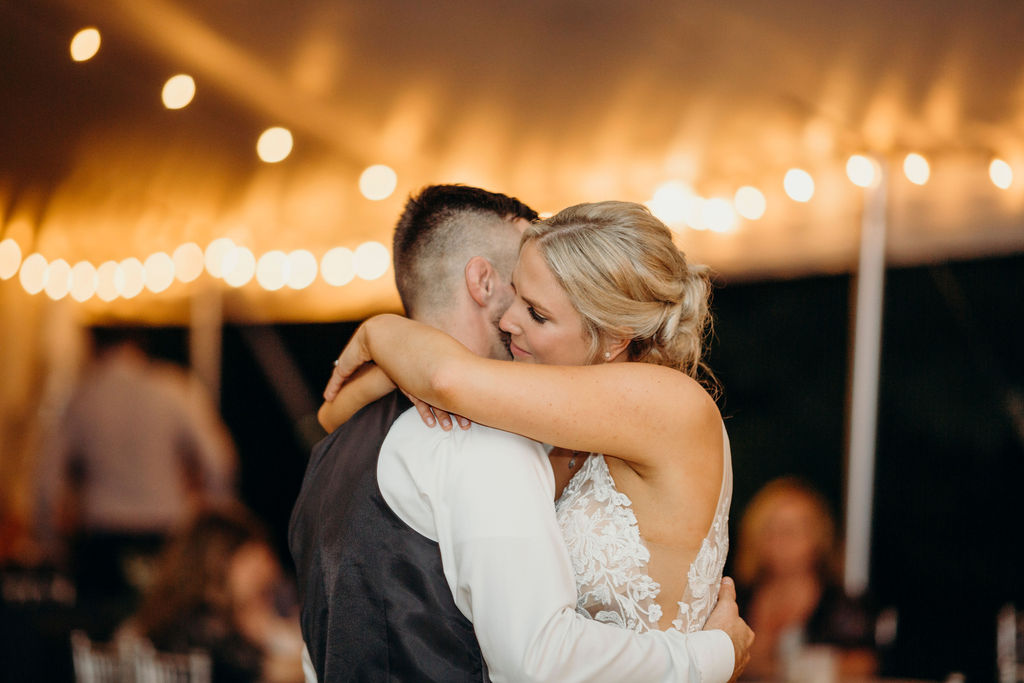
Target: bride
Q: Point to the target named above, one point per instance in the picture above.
(607, 329)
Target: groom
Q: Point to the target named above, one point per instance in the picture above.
(435, 555)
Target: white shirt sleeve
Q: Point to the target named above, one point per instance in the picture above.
(487, 497)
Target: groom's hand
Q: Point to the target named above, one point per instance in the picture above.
(726, 617)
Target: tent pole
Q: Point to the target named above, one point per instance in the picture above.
(864, 393)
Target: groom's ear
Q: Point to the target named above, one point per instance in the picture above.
(481, 280)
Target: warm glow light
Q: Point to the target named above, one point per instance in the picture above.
(272, 270)
(178, 91)
(10, 258)
(239, 266)
(58, 279)
(718, 215)
(303, 269)
(85, 44)
(799, 185)
(371, 260)
(188, 262)
(862, 171)
(750, 202)
(672, 203)
(159, 272)
(274, 145)
(131, 277)
(336, 267)
(215, 254)
(107, 280)
(999, 171)
(33, 273)
(916, 168)
(83, 281)
(378, 182)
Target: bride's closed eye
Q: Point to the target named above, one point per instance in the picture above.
(537, 317)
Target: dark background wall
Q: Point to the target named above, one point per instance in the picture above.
(948, 549)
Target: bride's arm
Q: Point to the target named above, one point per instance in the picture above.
(636, 411)
(366, 385)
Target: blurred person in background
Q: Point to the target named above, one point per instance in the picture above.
(136, 449)
(789, 588)
(219, 587)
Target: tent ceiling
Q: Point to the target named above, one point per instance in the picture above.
(555, 102)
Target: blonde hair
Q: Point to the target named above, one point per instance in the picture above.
(749, 563)
(627, 279)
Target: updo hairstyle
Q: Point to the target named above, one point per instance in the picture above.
(626, 277)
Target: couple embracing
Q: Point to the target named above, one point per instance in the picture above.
(450, 542)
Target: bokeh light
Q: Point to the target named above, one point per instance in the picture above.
(750, 202)
(718, 215)
(159, 272)
(107, 280)
(862, 171)
(188, 262)
(916, 169)
(215, 254)
(336, 267)
(83, 281)
(378, 182)
(32, 274)
(672, 203)
(799, 185)
(302, 267)
(371, 260)
(178, 91)
(999, 171)
(10, 258)
(131, 277)
(272, 270)
(58, 279)
(85, 44)
(274, 145)
(239, 266)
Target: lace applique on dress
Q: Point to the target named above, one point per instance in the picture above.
(610, 559)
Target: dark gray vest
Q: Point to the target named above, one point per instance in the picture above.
(375, 603)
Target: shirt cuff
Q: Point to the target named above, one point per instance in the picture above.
(713, 654)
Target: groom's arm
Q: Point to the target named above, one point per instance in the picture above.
(510, 573)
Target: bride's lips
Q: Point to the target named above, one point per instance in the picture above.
(516, 351)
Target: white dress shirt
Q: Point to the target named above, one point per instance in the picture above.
(487, 498)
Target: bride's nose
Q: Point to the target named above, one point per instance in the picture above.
(508, 323)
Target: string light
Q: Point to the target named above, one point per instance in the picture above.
(108, 280)
(274, 145)
(371, 260)
(302, 267)
(239, 266)
(158, 272)
(10, 258)
(58, 279)
(85, 44)
(799, 185)
(178, 91)
(337, 268)
(83, 281)
(861, 171)
(131, 277)
(999, 172)
(378, 182)
(750, 202)
(272, 270)
(916, 168)
(32, 274)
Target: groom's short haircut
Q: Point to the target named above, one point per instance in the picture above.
(440, 230)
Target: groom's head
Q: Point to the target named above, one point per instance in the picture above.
(454, 251)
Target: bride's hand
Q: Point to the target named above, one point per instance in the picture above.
(354, 356)
(432, 415)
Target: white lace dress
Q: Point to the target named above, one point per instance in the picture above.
(610, 559)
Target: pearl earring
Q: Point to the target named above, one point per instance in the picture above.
(607, 355)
